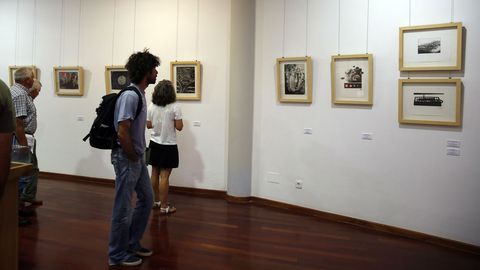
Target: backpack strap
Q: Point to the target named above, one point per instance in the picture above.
(140, 103)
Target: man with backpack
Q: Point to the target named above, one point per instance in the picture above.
(128, 225)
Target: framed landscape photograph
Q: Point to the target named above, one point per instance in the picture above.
(116, 78)
(352, 79)
(431, 47)
(12, 69)
(294, 79)
(185, 77)
(68, 81)
(430, 101)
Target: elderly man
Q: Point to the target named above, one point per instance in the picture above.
(26, 121)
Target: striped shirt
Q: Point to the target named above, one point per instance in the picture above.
(24, 107)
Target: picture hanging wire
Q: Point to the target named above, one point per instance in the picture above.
(61, 33)
(34, 27)
(134, 23)
(409, 24)
(338, 34)
(198, 30)
(176, 38)
(452, 6)
(306, 29)
(79, 29)
(283, 37)
(16, 33)
(113, 30)
(368, 19)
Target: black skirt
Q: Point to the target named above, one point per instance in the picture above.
(163, 155)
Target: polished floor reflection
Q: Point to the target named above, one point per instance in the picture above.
(70, 231)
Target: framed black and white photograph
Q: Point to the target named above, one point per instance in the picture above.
(294, 79)
(12, 69)
(68, 81)
(430, 101)
(116, 78)
(352, 79)
(431, 47)
(185, 76)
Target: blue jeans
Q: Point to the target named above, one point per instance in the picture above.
(128, 226)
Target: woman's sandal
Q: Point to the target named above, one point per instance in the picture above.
(167, 210)
(156, 205)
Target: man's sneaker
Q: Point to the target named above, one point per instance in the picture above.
(130, 261)
(144, 252)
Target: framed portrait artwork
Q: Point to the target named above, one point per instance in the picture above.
(430, 101)
(68, 81)
(294, 79)
(12, 69)
(185, 76)
(116, 78)
(352, 79)
(431, 47)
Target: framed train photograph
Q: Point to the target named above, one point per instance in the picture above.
(294, 79)
(186, 78)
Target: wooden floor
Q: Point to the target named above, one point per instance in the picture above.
(71, 229)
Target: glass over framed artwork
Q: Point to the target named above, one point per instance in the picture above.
(352, 79)
(430, 101)
(185, 77)
(116, 78)
(68, 81)
(294, 79)
(431, 47)
(12, 69)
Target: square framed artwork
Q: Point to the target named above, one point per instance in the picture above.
(185, 77)
(116, 79)
(352, 79)
(12, 69)
(68, 81)
(430, 101)
(431, 47)
(294, 79)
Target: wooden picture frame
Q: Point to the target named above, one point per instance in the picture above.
(116, 79)
(68, 81)
(430, 101)
(12, 69)
(352, 79)
(186, 79)
(431, 47)
(294, 79)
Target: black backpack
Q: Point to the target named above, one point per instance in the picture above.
(102, 134)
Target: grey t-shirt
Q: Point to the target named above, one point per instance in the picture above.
(7, 118)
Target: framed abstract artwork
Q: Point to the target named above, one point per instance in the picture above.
(294, 79)
(12, 69)
(352, 79)
(430, 101)
(185, 77)
(431, 47)
(68, 81)
(116, 78)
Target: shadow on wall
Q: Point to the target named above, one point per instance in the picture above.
(191, 168)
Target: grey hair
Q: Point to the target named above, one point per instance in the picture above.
(23, 73)
(36, 85)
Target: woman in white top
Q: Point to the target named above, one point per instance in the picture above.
(164, 117)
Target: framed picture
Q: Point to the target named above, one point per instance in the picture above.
(12, 69)
(185, 77)
(294, 79)
(430, 101)
(352, 79)
(116, 78)
(431, 47)
(68, 81)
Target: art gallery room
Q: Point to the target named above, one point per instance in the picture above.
(318, 134)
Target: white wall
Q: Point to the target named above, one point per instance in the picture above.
(402, 177)
(93, 34)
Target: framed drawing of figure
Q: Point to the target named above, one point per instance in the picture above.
(186, 79)
(116, 78)
(352, 79)
(12, 69)
(431, 47)
(68, 81)
(294, 79)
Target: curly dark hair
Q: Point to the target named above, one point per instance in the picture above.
(140, 64)
(164, 93)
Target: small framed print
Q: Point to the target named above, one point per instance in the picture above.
(352, 79)
(430, 101)
(12, 69)
(185, 77)
(116, 79)
(68, 81)
(431, 47)
(294, 79)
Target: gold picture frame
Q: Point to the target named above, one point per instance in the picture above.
(186, 79)
(430, 101)
(12, 69)
(352, 79)
(68, 81)
(294, 79)
(116, 79)
(431, 47)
